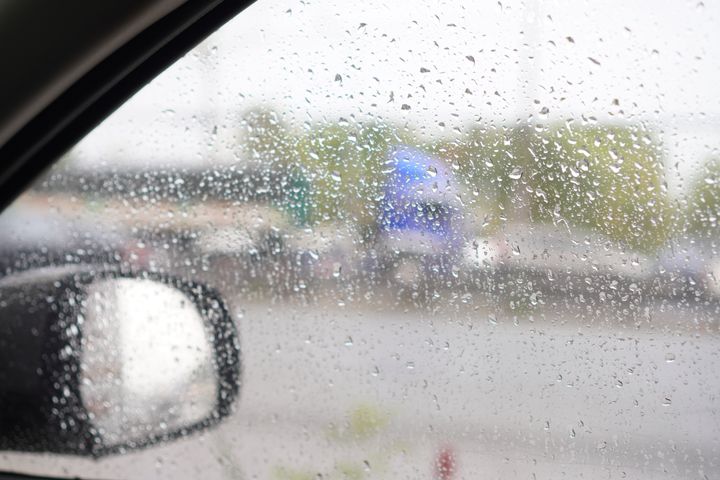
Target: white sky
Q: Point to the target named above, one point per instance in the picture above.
(659, 60)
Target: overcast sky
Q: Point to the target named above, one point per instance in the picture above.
(449, 63)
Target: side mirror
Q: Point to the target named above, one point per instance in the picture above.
(93, 363)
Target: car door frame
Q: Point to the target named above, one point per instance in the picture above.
(77, 109)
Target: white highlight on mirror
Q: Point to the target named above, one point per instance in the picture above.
(146, 362)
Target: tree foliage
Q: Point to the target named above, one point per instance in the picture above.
(703, 202)
(606, 178)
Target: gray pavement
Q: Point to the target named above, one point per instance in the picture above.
(337, 389)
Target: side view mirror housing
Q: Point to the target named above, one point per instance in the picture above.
(97, 362)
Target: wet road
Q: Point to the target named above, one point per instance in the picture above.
(361, 391)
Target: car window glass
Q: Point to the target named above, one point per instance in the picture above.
(459, 239)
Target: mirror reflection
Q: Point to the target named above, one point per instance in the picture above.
(146, 361)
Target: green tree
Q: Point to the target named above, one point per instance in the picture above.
(264, 137)
(346, 167)
(606, 178)
(270, 146)
(486, 160)
(703, 202)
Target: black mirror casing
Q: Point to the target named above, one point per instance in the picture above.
(41, 331)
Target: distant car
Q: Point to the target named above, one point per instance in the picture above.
(687, 270)
(35, 237)
(557, 259)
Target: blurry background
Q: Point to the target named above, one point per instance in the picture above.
(459, 239)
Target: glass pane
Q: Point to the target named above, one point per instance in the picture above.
(460, 239)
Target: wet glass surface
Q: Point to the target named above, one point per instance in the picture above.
(471, 240)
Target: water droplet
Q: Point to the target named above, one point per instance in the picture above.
(516, 173)
(669, 357)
